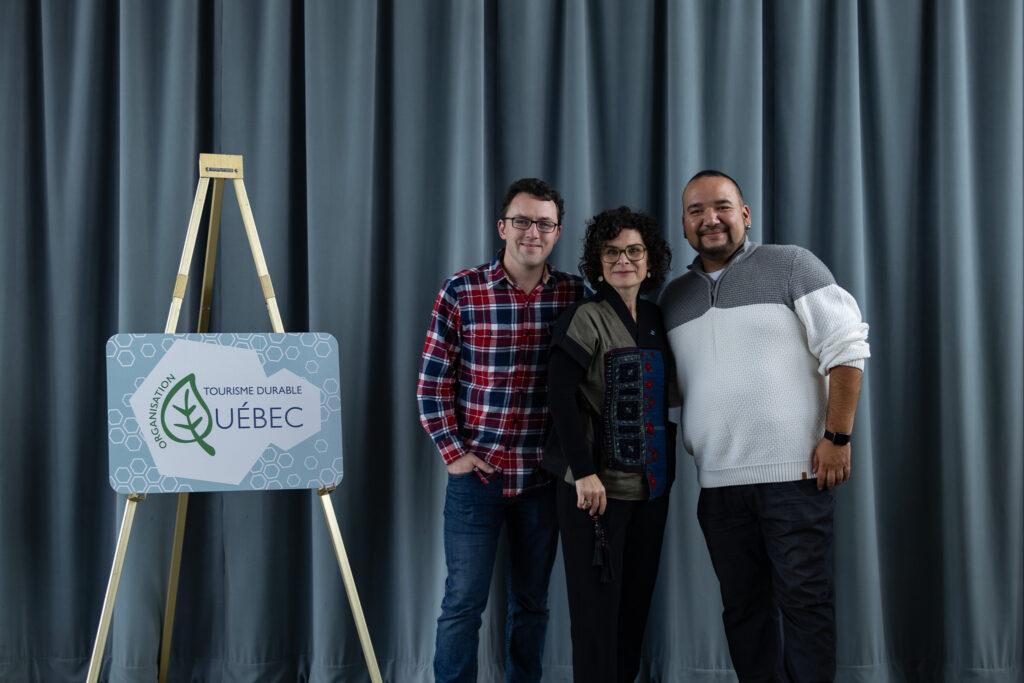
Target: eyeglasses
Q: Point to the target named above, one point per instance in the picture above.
(524, 224)
(634, 252)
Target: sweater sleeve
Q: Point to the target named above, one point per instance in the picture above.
(836, 334)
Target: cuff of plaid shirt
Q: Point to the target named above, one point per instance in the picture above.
(451, 450)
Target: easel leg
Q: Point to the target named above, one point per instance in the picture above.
(181, 281)
(350, 584)
(212, 235)
(172, 586)
(257, 256)
(115, 578)
(205, 306)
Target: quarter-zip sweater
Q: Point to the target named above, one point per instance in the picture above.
(753, 350)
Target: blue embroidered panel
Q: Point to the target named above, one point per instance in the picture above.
(655, 410)
(623, 410)
(634, 414)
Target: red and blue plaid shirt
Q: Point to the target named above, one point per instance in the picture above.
(483, 379)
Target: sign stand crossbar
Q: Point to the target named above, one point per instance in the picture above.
(216, 167)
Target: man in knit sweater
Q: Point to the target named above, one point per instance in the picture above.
(769, 353)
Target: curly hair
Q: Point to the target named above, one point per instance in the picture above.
(535, 187)
(606, 226)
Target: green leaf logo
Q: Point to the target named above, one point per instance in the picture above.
(194, 426)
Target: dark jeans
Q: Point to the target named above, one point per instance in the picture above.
(608, 619)
(771, 546)
(474, 513)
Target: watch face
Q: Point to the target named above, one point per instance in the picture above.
(840, 439)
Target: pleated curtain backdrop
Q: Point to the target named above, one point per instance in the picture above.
(378, 137)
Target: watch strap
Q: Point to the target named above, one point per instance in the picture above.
(838, 438)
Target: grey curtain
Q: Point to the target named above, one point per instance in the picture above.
(378, 136)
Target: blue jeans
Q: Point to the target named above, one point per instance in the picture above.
(771, 546)
(474, 513)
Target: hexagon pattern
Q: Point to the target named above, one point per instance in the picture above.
(313, 463)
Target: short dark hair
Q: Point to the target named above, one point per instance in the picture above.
(606, 226)
(534, 187)
(712, 173)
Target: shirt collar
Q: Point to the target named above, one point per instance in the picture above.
(743, 252)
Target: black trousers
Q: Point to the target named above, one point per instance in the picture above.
(771, 546)
(608, 618)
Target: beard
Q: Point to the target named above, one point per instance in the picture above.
(719, 251)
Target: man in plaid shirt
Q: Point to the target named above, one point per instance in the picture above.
(482, 397)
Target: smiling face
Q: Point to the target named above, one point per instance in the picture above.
(715, 220)
(528, 250)
(624, 275)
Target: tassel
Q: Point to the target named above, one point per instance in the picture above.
(601, 557)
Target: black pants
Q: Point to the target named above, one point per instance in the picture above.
(608, 619)
(771, 546)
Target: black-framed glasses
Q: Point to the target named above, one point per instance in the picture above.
(634, 252)
(524, 224)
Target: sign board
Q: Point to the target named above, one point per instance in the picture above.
(223, 412)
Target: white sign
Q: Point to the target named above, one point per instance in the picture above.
(223, 412)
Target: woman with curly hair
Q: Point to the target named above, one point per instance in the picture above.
(610, 382)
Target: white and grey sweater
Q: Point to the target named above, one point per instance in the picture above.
(752, 352)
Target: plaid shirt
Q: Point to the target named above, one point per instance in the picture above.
(483, 379)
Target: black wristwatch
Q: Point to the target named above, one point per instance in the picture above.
(838, 438)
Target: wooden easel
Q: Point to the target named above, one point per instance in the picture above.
(217, 167)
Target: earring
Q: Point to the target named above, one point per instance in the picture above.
(648, 275)
(600, 278)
